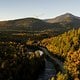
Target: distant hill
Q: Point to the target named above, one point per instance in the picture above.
(31, 24)
(23, 24)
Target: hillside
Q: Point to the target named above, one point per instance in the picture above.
(23, 24)
(61, 23)
(36, 29)
(66, 19)
(27, 24)
(29, 28)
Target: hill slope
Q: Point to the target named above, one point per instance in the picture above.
(27, 29)
(23, 24)
(67, 19)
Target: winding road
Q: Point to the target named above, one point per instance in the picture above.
(49, 66)
(56, 60)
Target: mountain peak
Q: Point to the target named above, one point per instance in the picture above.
(67, 17)
(68, 14)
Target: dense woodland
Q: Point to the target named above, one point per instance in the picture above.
(67, 46)
(17, 63)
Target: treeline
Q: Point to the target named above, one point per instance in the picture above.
(24, 36)
(67, 46)
(17, 63)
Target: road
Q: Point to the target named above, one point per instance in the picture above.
(48, 72)
(49, 66)
(56, 60)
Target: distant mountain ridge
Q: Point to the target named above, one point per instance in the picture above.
(59, 24)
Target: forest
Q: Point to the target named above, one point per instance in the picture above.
(21, 63)
(67, 48)
(18, 63)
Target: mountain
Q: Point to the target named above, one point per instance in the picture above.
(23, 24)
(67, 21)
(22, 30)
(31, 24)
(59, 24)
(67, 18)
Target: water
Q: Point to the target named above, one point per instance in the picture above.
(48, 72)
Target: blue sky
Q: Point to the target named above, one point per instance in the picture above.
(14, 9)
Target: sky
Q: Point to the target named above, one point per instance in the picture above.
(43, 9)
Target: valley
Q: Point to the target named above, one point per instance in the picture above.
(58, 38)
